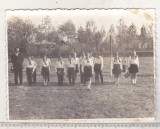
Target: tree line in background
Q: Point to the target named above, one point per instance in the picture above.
(47, 39)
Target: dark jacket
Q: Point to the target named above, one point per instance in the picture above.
(17, 61)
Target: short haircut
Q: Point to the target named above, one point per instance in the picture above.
(16, 48)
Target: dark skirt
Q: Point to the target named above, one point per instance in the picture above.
(87, 72)
(45, 72)
(133, 69)
(116, 70)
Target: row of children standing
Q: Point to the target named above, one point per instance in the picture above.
(86, 65)
(130, 67)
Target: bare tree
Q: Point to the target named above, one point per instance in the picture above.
(45, 28)
(99, 38)
(122, 35)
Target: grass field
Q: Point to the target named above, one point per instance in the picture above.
(75, 102)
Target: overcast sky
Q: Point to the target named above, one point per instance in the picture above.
(79, 17)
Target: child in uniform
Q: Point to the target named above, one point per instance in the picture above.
(98, 66)
(60, 70)
(88, 70)
(133, 67)
(30, 68)
(75, 60)
(34, 76)
(71, 70)
(117, 68)
(45, 70)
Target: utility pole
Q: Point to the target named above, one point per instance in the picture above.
(111, 55)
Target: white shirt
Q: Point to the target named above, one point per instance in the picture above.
(59, 65)
(87, 62)
(99, 60)
(134, 60)
(17, 53)
(76, 60)
(30, 64)
(46, 63)
(124, 61)
(117, 61)
(71, 63)
(34, 63)
(92, 58)
(81, 60)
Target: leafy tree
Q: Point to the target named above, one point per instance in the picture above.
(45, 29)
(132, 37)
(20, 33)
(91, 36)
(90, 32)
(143, 37)
(67, 33)
(99, 38)
(67, 29)
(53, 37)
(81, 36)
(147, 37)
(150, 37)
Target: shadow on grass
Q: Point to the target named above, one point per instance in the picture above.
(55, 84)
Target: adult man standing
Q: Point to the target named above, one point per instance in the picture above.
(17, 61)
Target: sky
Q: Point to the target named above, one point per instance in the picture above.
(79, 17)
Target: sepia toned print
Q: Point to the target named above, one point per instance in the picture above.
(81, 64)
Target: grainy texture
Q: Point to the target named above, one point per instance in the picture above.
(75, 102)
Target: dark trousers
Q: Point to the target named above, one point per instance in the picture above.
(76, 71)
(34, 76)
(60, 79)
(29, 75)
(97, 74)
(49, 77)
(71, 75)
(18, 73)
(60, 76)
(82, 78)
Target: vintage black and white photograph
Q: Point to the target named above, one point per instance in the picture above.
(81, 64)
